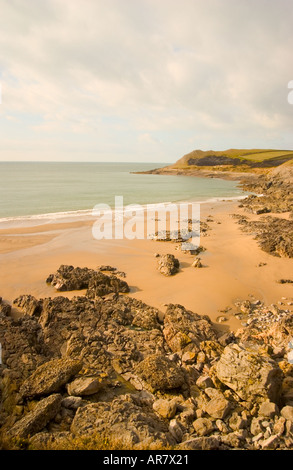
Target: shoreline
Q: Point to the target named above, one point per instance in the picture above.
(202, 173)
(230, 272)
(48, 219)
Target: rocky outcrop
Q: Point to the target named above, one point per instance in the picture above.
(272, 193)
(274, 234)
(105, 367)
(68, 278)
(29, 305)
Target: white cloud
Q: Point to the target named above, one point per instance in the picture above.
(112, 76)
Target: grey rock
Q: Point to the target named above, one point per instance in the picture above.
(268, 409)
(200, 443)
(50, 377)
(84, 386)
(159, 373)
(249, 374)
(203, 426)
(37, 419)
(165, 408)
(287, 412)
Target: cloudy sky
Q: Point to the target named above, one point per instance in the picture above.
(143, 80)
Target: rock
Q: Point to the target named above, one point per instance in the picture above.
(226, 339)
(50, 440)
(68, 278)
(189, 357)
(23, 348)
(83, 386)
(50, 377)
(274, 235)
(256, 427)
(168, 264)
(5, 309)
(29, 305)
(37, 419)
(287, 412)
(232, 440)
(159, 373)
(221, 425)
(279, 426)
(101, 285)
(176, 430)
(270, 443)
(203, 426)
(221, 319)
(287, 389)
(204, 381)
(188, 414)
(165, 408)
(197, 263)
(106, 267)
(185, 330)
(218, 407)
(245, 307)
(100, 348)
(268, 409)
(124, 418)
(71, 402)
(236, 422)
(200, 443)
(249, 374)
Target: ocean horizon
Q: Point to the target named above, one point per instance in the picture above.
(37, 190)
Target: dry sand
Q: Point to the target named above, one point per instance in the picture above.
(230, 271)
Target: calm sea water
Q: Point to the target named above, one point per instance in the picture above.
(30, 189)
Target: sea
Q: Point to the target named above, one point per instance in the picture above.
(55, 190)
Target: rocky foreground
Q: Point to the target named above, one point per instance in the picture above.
(103, 367)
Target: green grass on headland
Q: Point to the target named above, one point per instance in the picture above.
(242, 158)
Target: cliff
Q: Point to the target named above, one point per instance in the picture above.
(230, 163)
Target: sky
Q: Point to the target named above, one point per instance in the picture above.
(143, 80)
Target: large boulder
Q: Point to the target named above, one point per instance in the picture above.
(252, 376)
(37, 419)
(50, 377)
(158, 372)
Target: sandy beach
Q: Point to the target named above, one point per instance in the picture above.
(231, 269)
